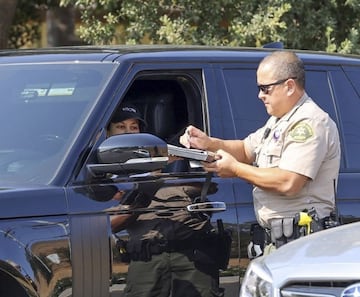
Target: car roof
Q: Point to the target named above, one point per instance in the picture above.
(160, 52)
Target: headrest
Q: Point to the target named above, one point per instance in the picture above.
(160, 114)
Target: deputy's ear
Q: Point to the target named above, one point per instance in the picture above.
(291, 85)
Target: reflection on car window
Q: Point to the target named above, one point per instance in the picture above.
(43, 106)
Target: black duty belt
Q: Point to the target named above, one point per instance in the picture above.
(281, 237)
(174, 246)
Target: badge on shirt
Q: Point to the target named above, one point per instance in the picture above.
(277, 134)
(301, 132)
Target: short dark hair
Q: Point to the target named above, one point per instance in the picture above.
(287, 65)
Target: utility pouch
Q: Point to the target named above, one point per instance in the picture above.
(122, 248)
(288, 227)
(224, 239)
(282, 231)
(139, 250)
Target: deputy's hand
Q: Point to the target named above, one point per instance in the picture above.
(194, 138)
(224, 166)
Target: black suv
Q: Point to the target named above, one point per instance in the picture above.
(56, 165)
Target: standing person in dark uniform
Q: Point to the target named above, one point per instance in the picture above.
(171, 253)
(293, 161)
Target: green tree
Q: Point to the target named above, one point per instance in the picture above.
(25, 28)
(7, 13)
(21, 21)
(327, 25)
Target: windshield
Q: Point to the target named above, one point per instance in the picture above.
(42, 109)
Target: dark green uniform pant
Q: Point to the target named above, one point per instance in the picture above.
(172, 273)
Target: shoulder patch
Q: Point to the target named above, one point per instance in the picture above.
(301, 132)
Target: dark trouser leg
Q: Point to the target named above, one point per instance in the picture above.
(149, 279)
(192, 279)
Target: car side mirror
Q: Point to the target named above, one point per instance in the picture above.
(131, 153)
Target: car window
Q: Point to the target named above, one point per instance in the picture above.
(42, 109)
(248, 110)
(353, 74)
(168, 101)
(347, 92)
(319, 88)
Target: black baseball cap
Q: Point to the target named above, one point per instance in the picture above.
(126, 112)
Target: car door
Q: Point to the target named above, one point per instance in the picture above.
(175, 95)
(336, 90)
(239, 112)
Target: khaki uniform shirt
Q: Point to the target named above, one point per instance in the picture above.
(170, 225)
(305, 141)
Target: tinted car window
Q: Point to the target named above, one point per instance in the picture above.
(347, 94)
(353, 74)
(58, 97)
(319, 87)
(249, 113)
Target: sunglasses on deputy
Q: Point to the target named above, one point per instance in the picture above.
(266, 88)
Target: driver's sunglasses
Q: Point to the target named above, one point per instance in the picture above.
(266, 88)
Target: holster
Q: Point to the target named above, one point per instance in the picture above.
(214, 249)
(122, 248)
(258, 239)
(332, 220)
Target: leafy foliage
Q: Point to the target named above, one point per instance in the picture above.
(308, 24)
(26, 24)
(27, 21)
(325, 25)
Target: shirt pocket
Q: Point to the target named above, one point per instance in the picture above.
(273, 153)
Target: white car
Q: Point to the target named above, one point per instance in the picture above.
(323, 264)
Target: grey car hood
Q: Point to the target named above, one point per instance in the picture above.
(330, 254)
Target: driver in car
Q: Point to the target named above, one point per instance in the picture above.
(170, 253)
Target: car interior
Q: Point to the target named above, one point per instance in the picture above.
(168, 103)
